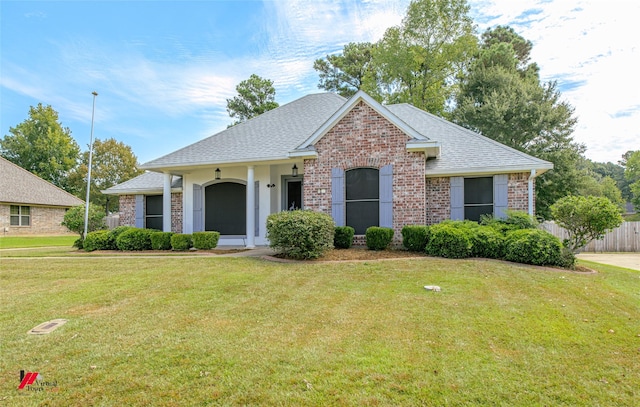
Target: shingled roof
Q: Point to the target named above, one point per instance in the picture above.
(19, 186)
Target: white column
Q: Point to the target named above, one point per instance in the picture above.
(251, 204)
(166, 203)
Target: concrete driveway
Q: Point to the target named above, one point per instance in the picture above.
(627, 260)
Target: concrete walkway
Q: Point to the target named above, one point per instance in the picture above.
(626, 260)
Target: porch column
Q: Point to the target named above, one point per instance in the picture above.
(251, 204)
(166, 203)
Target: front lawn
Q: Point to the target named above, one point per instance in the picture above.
(241, 331)
(14, 242)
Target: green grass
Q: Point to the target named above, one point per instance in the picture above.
(241, 331)
(16, 242)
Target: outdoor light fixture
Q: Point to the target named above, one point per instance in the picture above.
(294, 170)
(271, 185)
(218, 173)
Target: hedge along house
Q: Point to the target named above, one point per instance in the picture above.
(363, 163)
(30, 205)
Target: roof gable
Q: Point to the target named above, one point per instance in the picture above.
(20, 186)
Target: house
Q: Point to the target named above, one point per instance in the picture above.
(363, 163)
(30, 205)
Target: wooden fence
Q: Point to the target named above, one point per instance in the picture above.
(626, 238)
(112, 221)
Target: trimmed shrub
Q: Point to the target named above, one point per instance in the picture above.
(449, 240)
(515, 220)
(533, 246)
(300, 234)
(205, 240)
(134, 239)
(181, 241)
(343, 237)
(487, 242)
(161, 240)
(415, 237)
(378, 238)
(78, 243)
(98, 240)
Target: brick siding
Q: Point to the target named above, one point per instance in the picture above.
(128, 211)
(438, 200)
(363, 138)
(45, 220)
(518, 192)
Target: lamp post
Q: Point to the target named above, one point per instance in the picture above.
(86, 205)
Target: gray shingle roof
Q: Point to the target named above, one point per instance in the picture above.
(464, 151)
(19, 186)
(149, 182)
(270, 136)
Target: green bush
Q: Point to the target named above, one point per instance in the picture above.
(487, 242)
(533, 246)
(300, 234)
(74, 219)
(449, 239)
(98, 240)
(343, 237)
(378, 238)
(134, 239)
(415, 237)
(514, 220)
(181, 241)
(161, 240)
(117, 231)
(79, 243)
(205, 240)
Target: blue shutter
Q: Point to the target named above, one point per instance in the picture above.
(139, 211)
(500, 195)
(198, 216)
(386, 196)
(257, 207)
(337, 196)
(457, 198)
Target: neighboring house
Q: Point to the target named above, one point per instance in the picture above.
(363, 163)
(30, 205)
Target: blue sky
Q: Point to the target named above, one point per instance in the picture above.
(164, 69)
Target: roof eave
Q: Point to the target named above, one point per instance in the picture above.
(431, 149)
(138, 191)
(539, 170)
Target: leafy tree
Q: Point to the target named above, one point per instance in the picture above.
(632, 173)
(616, 172)
(113, 162)
(42, 146)
(255, 96)
(585, 219)
(74, 219)
(502, 98)
(420, 61)
(345, 73)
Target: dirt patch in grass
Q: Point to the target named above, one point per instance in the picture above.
(362, 253)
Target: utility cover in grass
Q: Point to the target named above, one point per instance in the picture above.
(47, 327)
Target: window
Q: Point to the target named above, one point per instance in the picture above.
(478, 197)
(153, 217)
(362, 189)
(20, 215)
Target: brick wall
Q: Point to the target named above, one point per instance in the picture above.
(363, 138)
(438, 199)
(128, 211)
(518, 192)
(44, 220)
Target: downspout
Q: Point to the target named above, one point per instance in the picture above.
(531, 180)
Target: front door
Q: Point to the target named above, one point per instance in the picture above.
(293, 194)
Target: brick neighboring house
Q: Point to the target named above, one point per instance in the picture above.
(30, 205)
(363, 163)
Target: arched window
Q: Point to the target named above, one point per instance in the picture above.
(362, 193)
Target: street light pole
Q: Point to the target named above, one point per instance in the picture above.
(86, 205)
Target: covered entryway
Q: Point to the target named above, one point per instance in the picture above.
(226, 208)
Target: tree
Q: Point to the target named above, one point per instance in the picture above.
(585, 219)
(345, 73)
(42, 146)
(74, 219)
(255, 96)
(632, 173)
(113, 162)
(502, 98)
(419, 62)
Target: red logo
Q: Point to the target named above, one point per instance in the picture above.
(27, 379)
